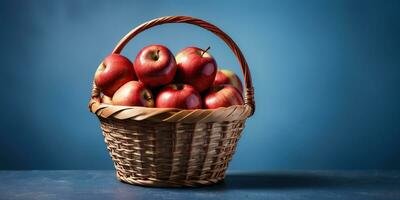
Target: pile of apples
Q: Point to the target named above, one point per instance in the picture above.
(158, 79)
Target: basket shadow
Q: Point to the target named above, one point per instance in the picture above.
(278, 181)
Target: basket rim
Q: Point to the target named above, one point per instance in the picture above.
(137, 113)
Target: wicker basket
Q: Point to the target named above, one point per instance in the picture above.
(168, 147)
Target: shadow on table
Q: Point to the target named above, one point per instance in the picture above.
(285, 181)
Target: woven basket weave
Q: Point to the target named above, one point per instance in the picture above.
(168, 147)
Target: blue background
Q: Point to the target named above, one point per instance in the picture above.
(326, 75)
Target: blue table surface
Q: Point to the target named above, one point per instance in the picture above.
(89, 184)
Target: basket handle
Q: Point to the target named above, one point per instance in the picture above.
(249, 90)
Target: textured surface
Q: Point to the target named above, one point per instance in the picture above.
(273, 185)
(170, 154)
(232, 113)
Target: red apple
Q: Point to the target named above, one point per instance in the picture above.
(133, 93)
(112, 73)
(106, 99)
(155, 65)
(179, 96)
(228, 77)
(222, 96)
(196, 67)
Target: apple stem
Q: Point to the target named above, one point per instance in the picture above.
(208, 48)
(157, 53)
(156, 56)
(147, 95)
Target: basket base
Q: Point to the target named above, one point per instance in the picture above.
(171, 154)
(168, 183)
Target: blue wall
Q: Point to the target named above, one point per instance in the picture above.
(326, 73)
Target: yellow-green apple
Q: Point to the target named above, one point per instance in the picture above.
(155, 65)
(179, 96)
(133, 93)
(228, 77)
(112, 73)
(222, 96)
(106, 99)
(196, 67)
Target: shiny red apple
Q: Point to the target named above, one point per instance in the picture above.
(112, 73)
(179, 96)
(155, 65)
(228, 77)
(222, 96)
(133, 93)
(196, 67)
(106, 99)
